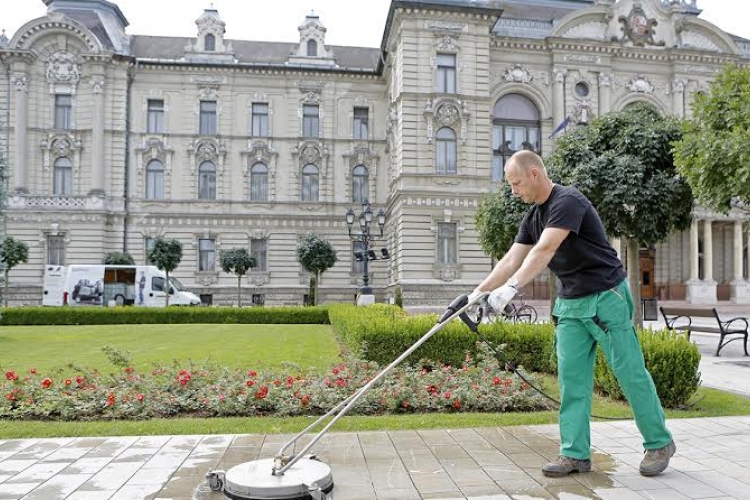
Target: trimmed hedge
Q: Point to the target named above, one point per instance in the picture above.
(382, 333)
(157, 315)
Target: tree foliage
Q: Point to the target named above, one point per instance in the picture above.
(237, 261)
(118, 259)
(714, 153)
(316, 256)
(12, 252)
(166, 254)
(623, 163)
(498, 216)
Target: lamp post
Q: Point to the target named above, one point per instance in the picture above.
(366, 237)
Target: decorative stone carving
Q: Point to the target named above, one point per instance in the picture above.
(20, 81)
(583, 58)
(433, 24)
(60, 147)
(206, 279)
(447, 43)
(312, 98)
(63, 68)
(678, 85)
(259, 278)
(98, 84)
(560, 77)
(519, 74)
(447, 114)
(640, 84)
(208, 93)
(638, 28)
(605, 80)
(208, 80)
(206, 152)
(310, 154)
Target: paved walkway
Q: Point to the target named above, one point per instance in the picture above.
(712, 460)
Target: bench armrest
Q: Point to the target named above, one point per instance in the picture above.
(726, 324)
(671, 321)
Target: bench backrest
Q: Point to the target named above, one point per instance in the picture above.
(704, 312)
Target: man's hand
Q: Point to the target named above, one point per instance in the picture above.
(501, 297)
(473, 295)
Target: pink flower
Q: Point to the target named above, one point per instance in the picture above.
(341, 382)
(250, 383)
(447, 394)
(252, 373)
(11, 375)
(46, 383)
(140, 398)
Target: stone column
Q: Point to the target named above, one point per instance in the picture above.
(605, 93)
(694, 258)
(558, 96)
(678, 97)
(98, 167)
(708, 253)
(700, 291)
(20, 82)
(739, 288)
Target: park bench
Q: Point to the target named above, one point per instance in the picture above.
(681, 319)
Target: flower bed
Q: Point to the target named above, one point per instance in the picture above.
(208, 391)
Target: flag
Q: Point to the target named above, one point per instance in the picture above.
(560, 127)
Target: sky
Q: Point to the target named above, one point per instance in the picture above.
(349, 22)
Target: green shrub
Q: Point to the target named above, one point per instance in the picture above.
(160, 315)
(399, 297)
(672, 360)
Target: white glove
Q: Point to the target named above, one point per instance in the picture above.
(501, 297)
(473, 295)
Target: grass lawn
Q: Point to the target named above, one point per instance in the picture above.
(258, 347)
(713, 403)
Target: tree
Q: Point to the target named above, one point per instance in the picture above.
(118, 259)
(166, 255)
(316, 256)
(12, 253)
(237, 261)
(623, 163)
(713, 154)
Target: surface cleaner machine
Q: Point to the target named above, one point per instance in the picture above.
(301, 476)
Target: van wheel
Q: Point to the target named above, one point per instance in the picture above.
(78, 299)
(119, 300)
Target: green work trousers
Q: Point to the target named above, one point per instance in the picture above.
(605, 318)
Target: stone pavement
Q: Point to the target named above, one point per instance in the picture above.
(712, 460)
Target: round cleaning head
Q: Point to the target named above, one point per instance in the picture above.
(254, 481)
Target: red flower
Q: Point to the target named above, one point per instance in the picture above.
(250, 383)
(68, 381)
(447, 394)
(262, 393)
(289, 381)
(252, 373)
(111, 399)
(336, 370)
(433, 390)
(183, 377)
(80, 380)
(496, 380)
(128, 369)
(457, 404)
(46, 383)
(11, 375)
(405, 404)
(33, 371)
(277, 383)
(341, 382)
(140, 397)
(305, 400)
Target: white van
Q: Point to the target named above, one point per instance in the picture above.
(98, 285)
(53, 285)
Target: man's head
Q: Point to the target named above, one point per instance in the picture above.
(527, 176)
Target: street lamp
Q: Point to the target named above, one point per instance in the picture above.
(366, 237)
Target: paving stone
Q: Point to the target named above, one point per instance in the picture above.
(58, 487)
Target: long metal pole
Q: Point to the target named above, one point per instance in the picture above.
(352, 400)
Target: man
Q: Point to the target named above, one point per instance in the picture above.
(563, 231)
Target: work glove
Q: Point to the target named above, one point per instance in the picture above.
(473, 295)
(500, 297)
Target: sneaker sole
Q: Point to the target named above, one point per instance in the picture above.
(563, 474)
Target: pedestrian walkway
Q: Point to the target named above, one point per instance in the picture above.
(712, 461)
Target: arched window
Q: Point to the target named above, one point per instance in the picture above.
(446, 151)
(210, 43)
(207, 181)
(154, 180)
(360, 184)
(516, 126)
(63, 177)
(310, 180)
(259, 182)
(312, 48)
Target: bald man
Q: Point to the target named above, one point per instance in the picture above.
(563, 231)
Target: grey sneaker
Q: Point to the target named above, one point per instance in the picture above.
(656, 461)
(562, 466)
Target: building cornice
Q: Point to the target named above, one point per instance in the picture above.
(257, 69)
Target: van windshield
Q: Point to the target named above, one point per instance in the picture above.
(177, 285)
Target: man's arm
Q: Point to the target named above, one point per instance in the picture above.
(509, 264)
(540, 255)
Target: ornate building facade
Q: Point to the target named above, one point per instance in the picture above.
(116, 140)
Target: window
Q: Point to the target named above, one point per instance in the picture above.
(312, 48)
(206, 254)
(360, 184)
(259, 182)
(260, 120)
(310, 183)
(360, 123)
(516, 126)
(310, 120)
(63, 111)
(358, 248)
(148, 244)
(446, 151)
(154, 180)
(63, 177)
(56, 249)
(259, 251)
(155, 123)
(207, 181)
(210, 43)
(208, 118)
(446, 243)
(446, 73)
(157, 284)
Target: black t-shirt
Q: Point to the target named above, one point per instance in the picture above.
(585, 262)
